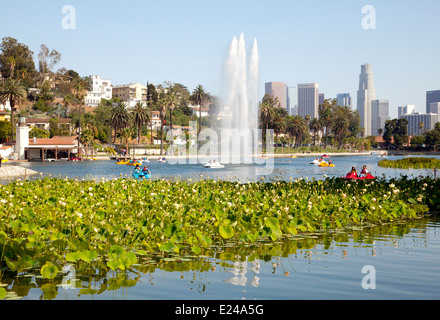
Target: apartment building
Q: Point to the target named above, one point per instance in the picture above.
(100, 89)
(131, 93)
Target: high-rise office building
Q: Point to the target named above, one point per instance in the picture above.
(379, 115)
(414, 129)
(365, 95)
(435, 108)
(408, 109)
(343, 100)
(431, 97)
(292, 101)
(278, 90)
(308, 100)
(321, 98)
(415, 119)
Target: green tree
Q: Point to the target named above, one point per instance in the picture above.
(296, 126)
(12, 90)
(278, 123)
(141, 116)
(396, 129)
(315, 126)
(341, 123)
(81, 86)
(432, 138)
(267, 112)
(16, 61)
(5, 130)
(326, 112)
(126, 134)
(120, 118)
(199, 97)
(163, 105)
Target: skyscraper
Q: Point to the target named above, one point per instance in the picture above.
(308, 100)
(292, 101)
(379, 115)
(365, 95)
(278, 90)
(431, 97)
(343, 100)
(321, 98)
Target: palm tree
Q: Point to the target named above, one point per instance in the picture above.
(267, 112)
(140, 117)
(326, 119)
(81, 87)
(421, 126)
(12, 90)
(380, 131)
(88, 137)
(172, 102)
(163, 105)
(199, 97)
(315, 125)
(126, 134)
(341, 123)
(119, 117)
(296, 126)
(278, 123)
(67, 100)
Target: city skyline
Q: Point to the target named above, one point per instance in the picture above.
(187, 42)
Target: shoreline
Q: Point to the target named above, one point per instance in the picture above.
(273, 155)
(15, 172)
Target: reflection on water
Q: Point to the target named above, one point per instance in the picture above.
(240, 270)
(315, 266)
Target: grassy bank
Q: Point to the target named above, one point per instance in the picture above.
(48, 223)
(411, 163)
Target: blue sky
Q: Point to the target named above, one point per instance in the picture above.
(187, 41)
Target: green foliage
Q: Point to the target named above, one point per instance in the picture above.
(396, 129)
(411, 163)
(5, 130)
(49, 270)
(111, 225)
(16, 57)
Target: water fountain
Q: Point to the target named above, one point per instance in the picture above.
(240, 123)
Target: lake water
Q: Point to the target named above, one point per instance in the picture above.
(395, 261)
(401, 260)
(283, 168)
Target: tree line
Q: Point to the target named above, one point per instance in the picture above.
(336, 125)
(61, 94)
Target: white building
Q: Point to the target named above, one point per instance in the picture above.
(196, 110)
(408, 109)
(414, 119)
(131, 94)
(365, 95)
(379, 115)
(101, 89)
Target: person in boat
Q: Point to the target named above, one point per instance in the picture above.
(137, 170)
(145, 170)
(364, 171)
(353, 172)
(330, 162)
